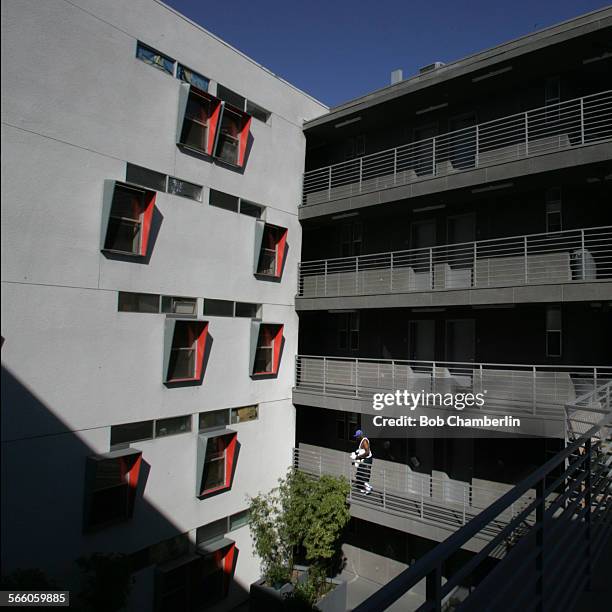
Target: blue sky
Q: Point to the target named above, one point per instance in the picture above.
(336, 50)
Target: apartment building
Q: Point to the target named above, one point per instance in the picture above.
(150, 242)
(457, 237)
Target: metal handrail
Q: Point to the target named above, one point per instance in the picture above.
(580, 255)
(577, 503)
(581, 121)
(399, 491)
(515, 389)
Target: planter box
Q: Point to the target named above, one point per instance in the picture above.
(264, 598)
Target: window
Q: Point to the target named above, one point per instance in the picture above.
(238, 520)
(111, 482)
(240, 102)
(245, 309)
(212, 531)
(553, 210)
(172, 426)
(184, 359)
(230, 96)
(145, 177)
(346, 426)
(251, 209)
(244, 414)
(553, 331)
(267, 349)
(552, 91)
(355, 147)
(184, 189)
(126, 433)
(129, 220)
(228, 146)
(214, 419)
(200, 121)
(223, 200)
(258, 112)
(154, 58)
(351, 238)
(348, 331)
(272, 251)
(138, 302)
(192, 77)
(217, 452)
(228, 308)
(179, 305)
(131, 432)
(218, 308)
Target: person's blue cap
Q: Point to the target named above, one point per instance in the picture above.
(358, 433)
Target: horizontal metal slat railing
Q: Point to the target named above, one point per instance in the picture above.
(551, 558)
(559, 257)
(578, 122)
(512, 389)
(399, 491)
(592, 408)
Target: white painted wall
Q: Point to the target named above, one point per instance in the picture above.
(77, 106)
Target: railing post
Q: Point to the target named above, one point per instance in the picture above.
(391, 275)
(329, 183)
(360, 172)
(325, 279)
(433, 376)
(395, 166)
(464, 503)
(477, 154)
(433, 588)
(526, 135)
(356, 377)
(393, 375)
(582, 255)
(422, 500)
(431, 271)
(433, 156)
(384, 491)
(474, 266)
(594, 380)
(581, 120)
(525, 257)
(324, 375)
(533, 389)
(356, 274)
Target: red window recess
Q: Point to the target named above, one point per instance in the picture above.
(201, 121)
(186, 359)
(233, 136)
(268, 351)
(273, 251)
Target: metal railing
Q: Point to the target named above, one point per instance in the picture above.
(397, 490)
(557, 257)
(513, 389)
(556, 127)
(592, 408)
(550, 560)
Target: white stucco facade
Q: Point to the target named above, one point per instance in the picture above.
(77, 107)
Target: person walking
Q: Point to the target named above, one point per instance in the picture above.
(362, 458)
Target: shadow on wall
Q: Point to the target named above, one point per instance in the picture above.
(43, 499)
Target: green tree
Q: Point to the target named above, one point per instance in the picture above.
(301, 513)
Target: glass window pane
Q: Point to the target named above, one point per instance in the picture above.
(229, 137)
(185, 189)
(553, 319)
(182, 364)
(553, 344)
(213, 531)
(250, 209)
(172, 426)
(154, 58)
(145, 177)
(240, 519)
(192, 77)
(214, 419)
(131, 432)
(194, 135)
(244, 309)
(138, 302)
(223, 200)
(179, 305)
(214, 464)
(218, 308)
(223, 93)
(244, 413)
(258, 112)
